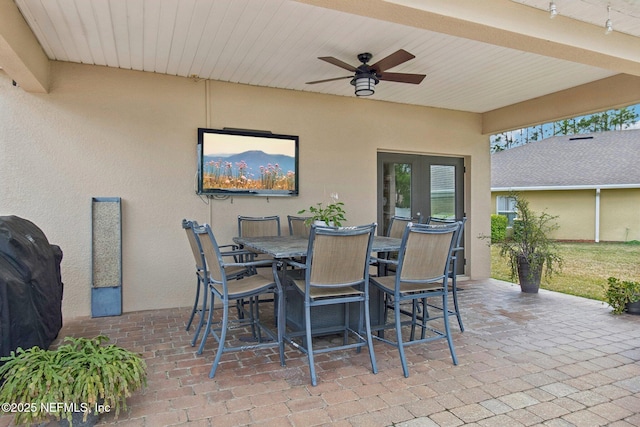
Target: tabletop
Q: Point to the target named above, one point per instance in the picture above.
(296, 246)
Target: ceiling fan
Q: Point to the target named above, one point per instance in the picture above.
(367, 76)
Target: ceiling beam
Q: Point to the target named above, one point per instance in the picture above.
(21, 56)
(507, 24)
(617, 91)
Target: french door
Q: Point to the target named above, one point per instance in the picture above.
(419, 186)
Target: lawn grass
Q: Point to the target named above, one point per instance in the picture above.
(586, 267)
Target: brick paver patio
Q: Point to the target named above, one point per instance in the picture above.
(525, 360)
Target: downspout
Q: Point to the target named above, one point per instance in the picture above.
(597, 231)
(207, 120)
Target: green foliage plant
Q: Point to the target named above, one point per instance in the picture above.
(332, 214)
(531, 241)
(81, 375)
(619, 293)
(498, 228)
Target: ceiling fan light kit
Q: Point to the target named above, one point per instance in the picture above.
(365, 84)
(365, 79)
(367, 76)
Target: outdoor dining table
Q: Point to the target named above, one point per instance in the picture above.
(283, 247)
(287, 247)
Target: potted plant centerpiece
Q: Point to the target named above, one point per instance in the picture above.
(73, 383)
(530, 249)
(331, 214)
(623, 295)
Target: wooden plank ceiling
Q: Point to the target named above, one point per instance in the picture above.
(276, 43)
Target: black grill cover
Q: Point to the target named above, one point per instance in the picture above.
(30, 286)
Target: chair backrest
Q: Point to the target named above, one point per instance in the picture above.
(339, 256)
(425, 252)
(298, 225)
(194, 242)
(211, 252)
(397, 225)
(442, 221)
(258, 226)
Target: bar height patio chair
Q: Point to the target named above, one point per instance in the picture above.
(453, 267)
(258, 226)
(336, 272)
(234, 272)
(247, 288)
(298, 225)
(396, 227)
(421, 272)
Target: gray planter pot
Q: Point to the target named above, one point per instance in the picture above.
(529, 279)
(633, 308)
(77, 420)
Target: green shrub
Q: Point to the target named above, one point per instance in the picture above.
(498, 228)
(619, 293)
(530, 242)
(83, 372)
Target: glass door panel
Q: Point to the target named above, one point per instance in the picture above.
(419, 186)
(443, 191)
(396, 191)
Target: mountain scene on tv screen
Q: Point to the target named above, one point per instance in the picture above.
(250, 170)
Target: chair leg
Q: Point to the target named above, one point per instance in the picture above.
(195, 304)
(345, 333)
(253, 318)
(256, 319)
(414, 319)
(207, 329)
(425, 317)
(312, 368)
(240, 308)
(276, 312)
(204, 309)
(405, 369)
(385, 313)
(279, 301)
(454, 289)
(447, 329)
(367, 325)
(281, 325)
(223, 337)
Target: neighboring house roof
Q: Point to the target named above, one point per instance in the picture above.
(594, 160)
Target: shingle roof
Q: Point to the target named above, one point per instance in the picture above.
(595, 159)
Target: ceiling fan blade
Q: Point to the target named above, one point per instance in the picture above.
(402, 77)
(337, 62)
(329, 80)
(392, 60)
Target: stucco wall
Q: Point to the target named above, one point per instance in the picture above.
(103, 132)
(620, 215)
(576, 212)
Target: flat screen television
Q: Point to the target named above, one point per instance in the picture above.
(245, 162)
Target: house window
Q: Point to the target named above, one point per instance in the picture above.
(506, 206)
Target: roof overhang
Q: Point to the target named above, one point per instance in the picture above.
(565, 188)
(503, 59)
